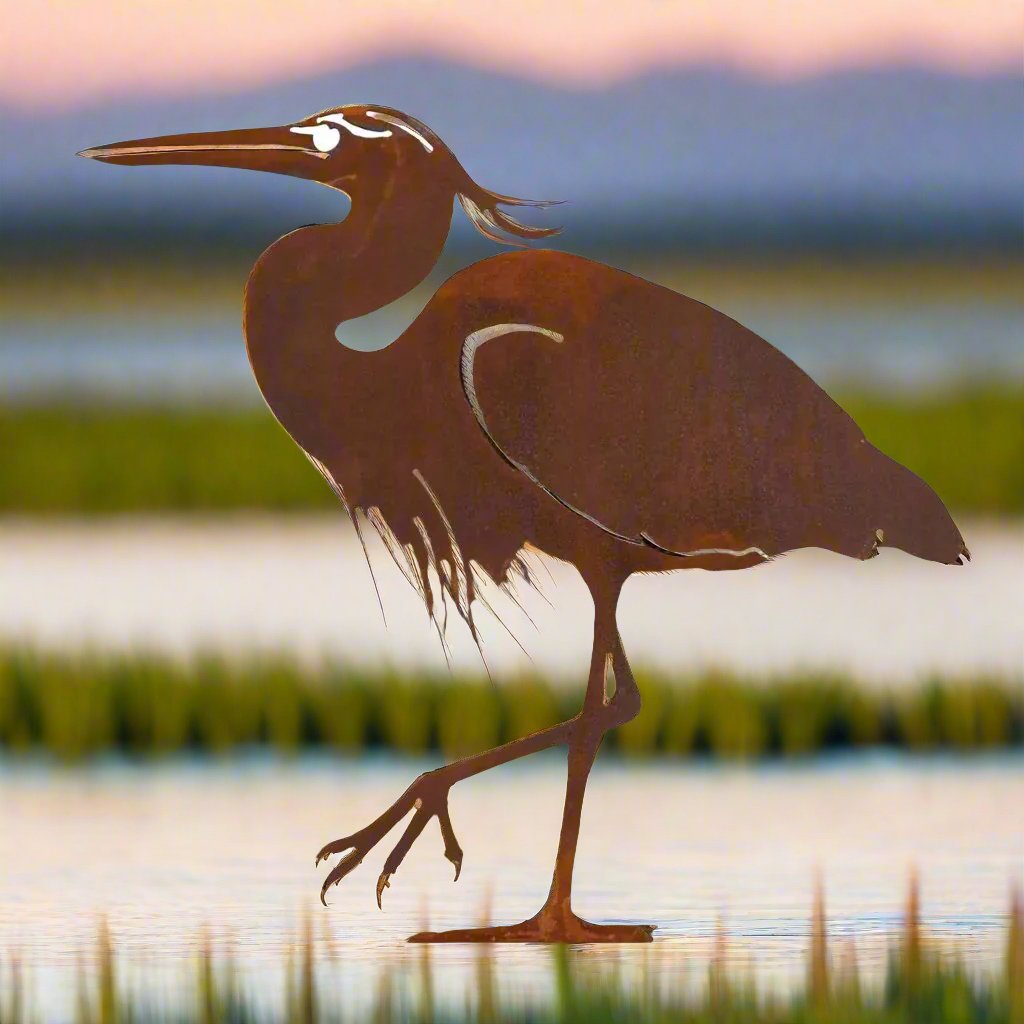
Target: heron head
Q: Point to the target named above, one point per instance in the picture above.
(345, 148)
(334, 147)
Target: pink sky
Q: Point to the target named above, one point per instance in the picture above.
(61, 55)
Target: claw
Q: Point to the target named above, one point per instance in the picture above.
(338, 846)
(347, 863)
(452, 850)
(397, 855)
(384, 882)
(458, 866)
(426, 803)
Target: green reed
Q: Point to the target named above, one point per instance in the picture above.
(968, 443)
(80, 704)
(922, 984)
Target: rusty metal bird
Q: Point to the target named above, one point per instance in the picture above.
(539, 401)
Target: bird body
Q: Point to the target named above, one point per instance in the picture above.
(539, 401)
(607, 421)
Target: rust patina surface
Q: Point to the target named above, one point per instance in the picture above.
(540, 400)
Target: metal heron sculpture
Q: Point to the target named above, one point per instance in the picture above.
(539, 400)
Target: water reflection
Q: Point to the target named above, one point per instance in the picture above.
(163, 850)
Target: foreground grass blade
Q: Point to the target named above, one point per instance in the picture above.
(924, 985)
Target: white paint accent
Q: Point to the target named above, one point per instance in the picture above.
(697, 552)
(469, 349)
(325, 138)
(110, 152)
(400, 124)
(474, 341)
(354, 129)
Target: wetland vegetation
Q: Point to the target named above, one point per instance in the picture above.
(923, 983)
(78, 705)
(68, 459)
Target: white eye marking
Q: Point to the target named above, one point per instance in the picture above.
(363, 133)
(390, 119)
(325, 138)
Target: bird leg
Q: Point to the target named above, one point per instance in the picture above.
(427, 797)
(556, 921)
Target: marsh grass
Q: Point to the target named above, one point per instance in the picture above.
(922, 984)
(77, 705)
(968, 443)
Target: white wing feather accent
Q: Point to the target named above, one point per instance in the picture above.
(469, 349)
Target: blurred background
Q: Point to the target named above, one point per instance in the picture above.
(188, 631)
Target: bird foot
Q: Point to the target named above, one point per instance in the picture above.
(428, 797)
(549, 925)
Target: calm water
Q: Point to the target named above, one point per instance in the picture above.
(303, 585)
(177, 337)
(164, 850)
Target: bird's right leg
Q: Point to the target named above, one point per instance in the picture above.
(428, 797)
(556, 921)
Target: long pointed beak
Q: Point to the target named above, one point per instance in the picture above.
(258, 149)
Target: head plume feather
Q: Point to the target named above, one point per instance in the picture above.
(481, 205)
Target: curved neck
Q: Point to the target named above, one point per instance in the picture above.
(317, 277)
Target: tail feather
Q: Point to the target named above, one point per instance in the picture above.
(910, 515)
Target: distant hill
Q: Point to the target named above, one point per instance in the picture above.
(699, 155)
